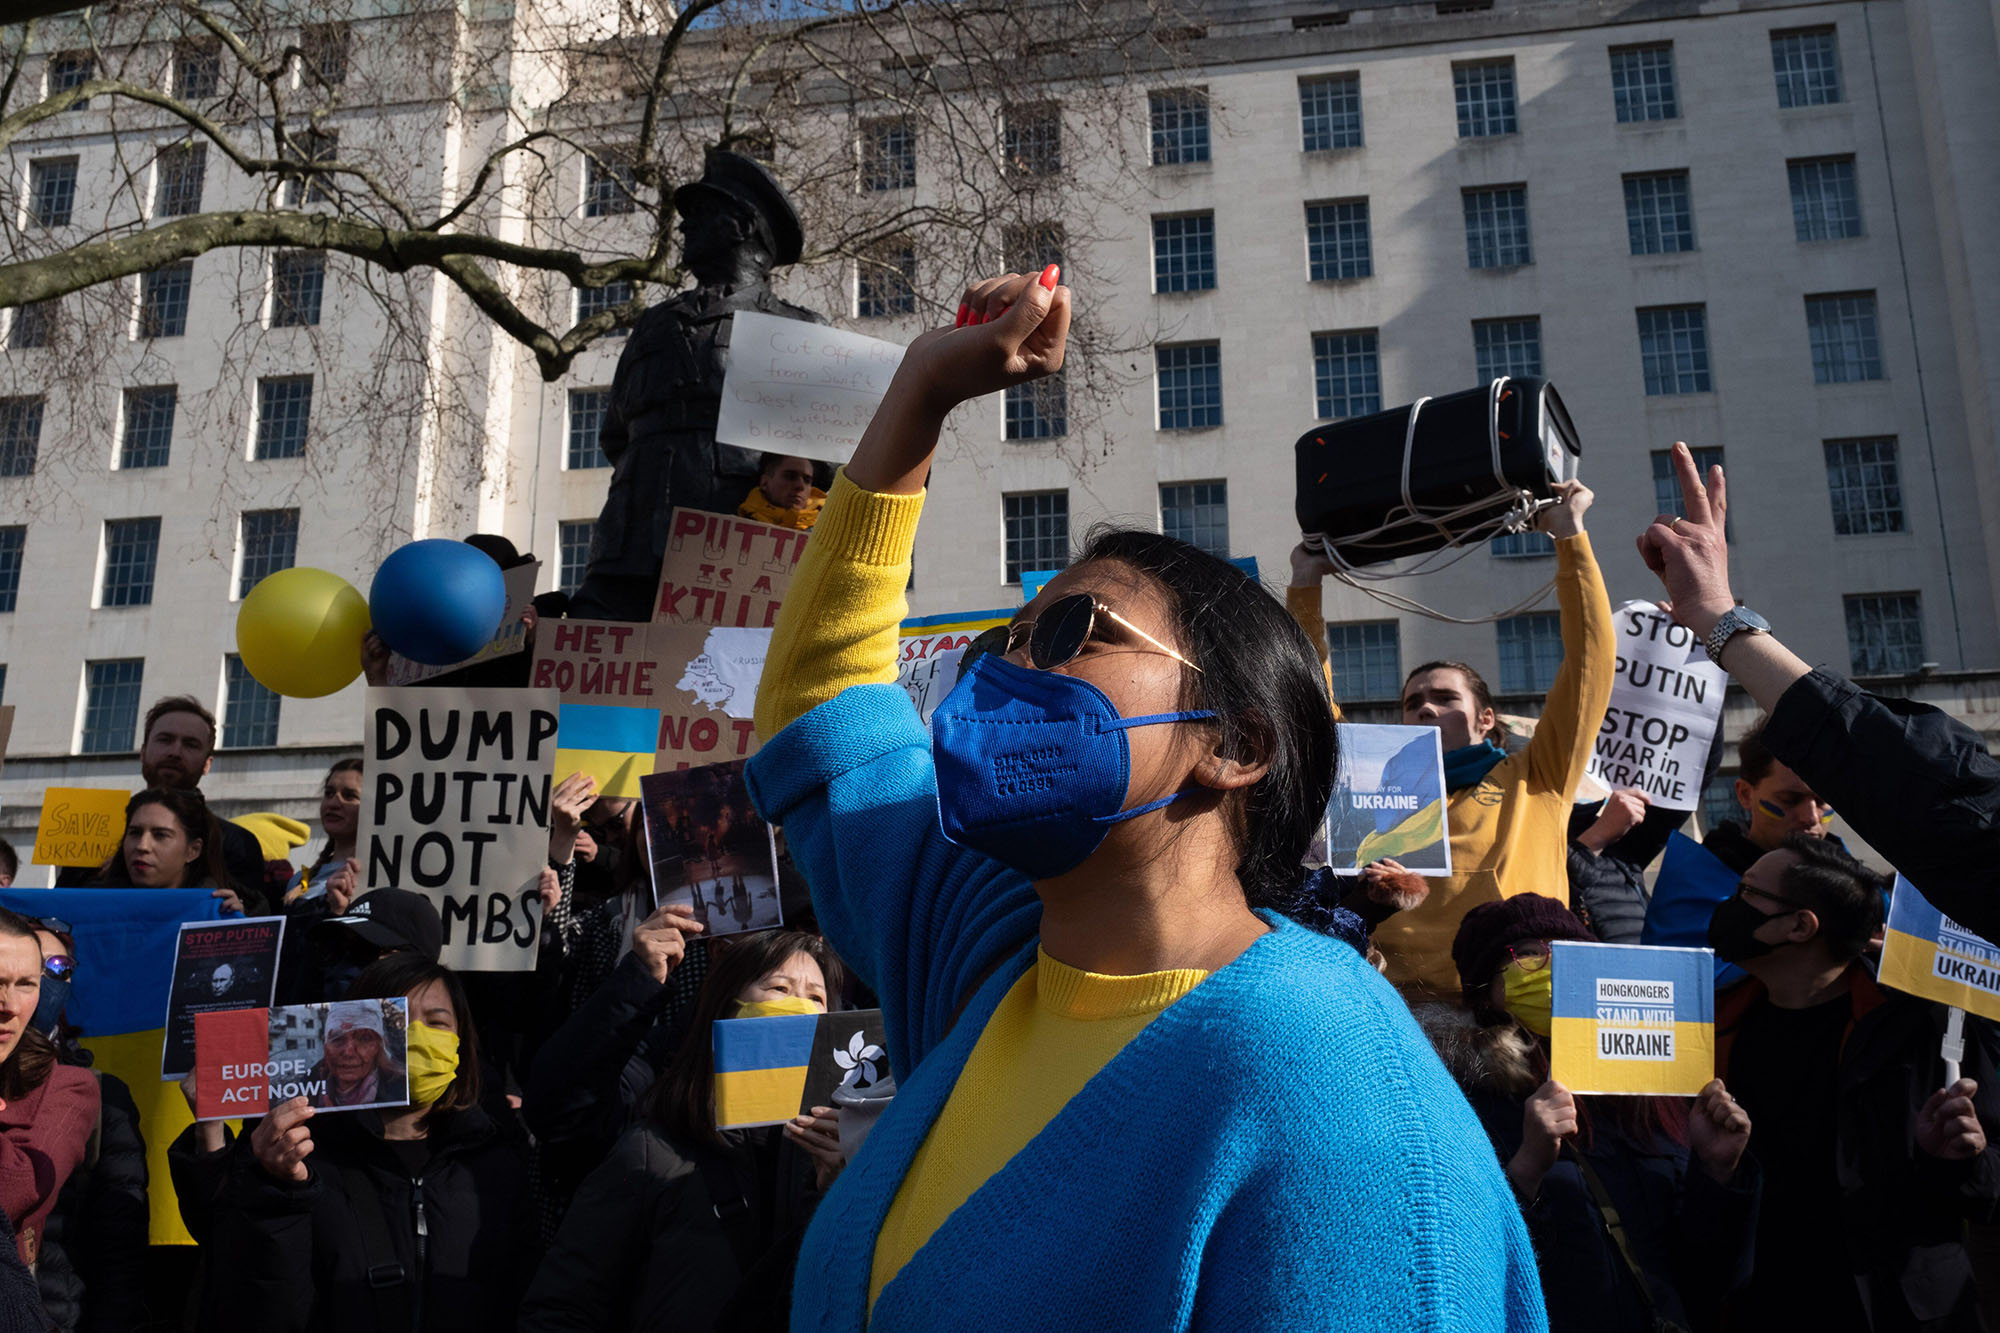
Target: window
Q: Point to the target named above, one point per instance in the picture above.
(71, 69)
(1330, 112)
(1659, 220)
(1531, 651)
(1642, 83)
(1367, 659)
(1806, 62)
(1337, 241)
(1521, 545)
(1845, 347)
(594, 301)
(111, 705)
(1826, 206)
(131, 551)
(1347, 374)
(20, 435)
(1866, 488)
(610, 186)
(284, 408)
(888, 155)
(573, 541)
(312, 146)
(1667, 485)
(1197, 512)
(270, 542)
(1673, 349)
(149, 427)
(1037, 410)
(197, 68)
(1496, 226)
(1184, 253)
(1190, 387)
(298, 280)
(586, 418)
(51, 191)
(1506, 347)
(1180, 126)
(249, 710)
(1032, 247)
(163, 300)
(33, 325)
(1485, 93)
(13, 543)
(1037, 532)
(177, 176)
(1885, 633)
(323, 52)
(1031, 139)
(886, 283)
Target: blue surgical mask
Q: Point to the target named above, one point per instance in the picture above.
(1032, 766)
(49, 1005)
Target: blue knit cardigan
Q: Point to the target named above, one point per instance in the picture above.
(1279, 1149)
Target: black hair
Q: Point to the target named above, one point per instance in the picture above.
(1845, 895)
(1263, 682)
(400, 974)
(1753, 757)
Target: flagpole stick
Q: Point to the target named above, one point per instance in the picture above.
(1953, 1047)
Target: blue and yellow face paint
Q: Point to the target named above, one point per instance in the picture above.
(1627, 1018)
(616, 746)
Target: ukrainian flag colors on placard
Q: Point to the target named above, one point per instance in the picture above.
(614, 745)
(125, 965)
(1628, 1018)
(760, 1068)
(1926, 953)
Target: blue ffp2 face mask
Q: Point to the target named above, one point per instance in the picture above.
(1032, 766)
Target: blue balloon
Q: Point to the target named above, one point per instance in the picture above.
(437, 601)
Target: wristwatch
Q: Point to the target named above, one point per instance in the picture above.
(1736, 620)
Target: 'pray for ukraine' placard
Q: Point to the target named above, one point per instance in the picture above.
(1628, 1018)
(1926, 953)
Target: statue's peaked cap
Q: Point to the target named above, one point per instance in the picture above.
(749, 183)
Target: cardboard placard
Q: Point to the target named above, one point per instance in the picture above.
(927, 667)
(455, 805)
(801, 389)
(510, 638)
(1628, 1018)
(80, 826)
(218, 965)
(768, 1070)
(1664, 705)
(344, 1055)
(708, 851)
(1926, 953)
(1388, 801)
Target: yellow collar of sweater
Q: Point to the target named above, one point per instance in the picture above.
(1071, 992)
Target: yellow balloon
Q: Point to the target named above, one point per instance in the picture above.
(299, 632)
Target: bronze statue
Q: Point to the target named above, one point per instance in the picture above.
(736, 226)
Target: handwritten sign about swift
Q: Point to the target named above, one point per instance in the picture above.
(455, 805)
(1664, 705)
(345, 1055)
(1627, 1018)
(80, 826)
(1388, 801)
(1926, 953)
(801, 389)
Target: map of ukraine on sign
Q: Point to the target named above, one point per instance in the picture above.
(1926, 953)
(1628, 1018)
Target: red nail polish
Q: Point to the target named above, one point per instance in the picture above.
(962, 311)
(1051, 276)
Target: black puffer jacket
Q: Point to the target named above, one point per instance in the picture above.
(92, 1264)
(451, 1242)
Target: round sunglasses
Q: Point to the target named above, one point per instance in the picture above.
(1055, 637)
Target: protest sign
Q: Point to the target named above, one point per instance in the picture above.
(455, 805)
(768, 1070)
(927, 667)
(345, 1055)
(1388, 800)
(1926, 953)
(80, 826)
(510, 638)
(1631, 1019)
(217, 965)
(708, 850)
(613, 745)
(1665, 702)
(801, 389)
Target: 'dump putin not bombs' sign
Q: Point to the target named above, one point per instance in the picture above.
(1664, 704)
(1627, 1018)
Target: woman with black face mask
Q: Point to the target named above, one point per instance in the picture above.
(1069, 892)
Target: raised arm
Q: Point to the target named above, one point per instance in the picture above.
(1560, 750)
(1302, 599)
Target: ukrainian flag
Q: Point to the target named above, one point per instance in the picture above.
(1410, 769)
(1629, 1018)
(125, 942)
(760, 1068)
(1925, 952)
(614, 745)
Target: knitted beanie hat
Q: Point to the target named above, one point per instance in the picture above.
(1480, 948)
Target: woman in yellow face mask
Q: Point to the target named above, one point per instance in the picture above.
(685, 1226)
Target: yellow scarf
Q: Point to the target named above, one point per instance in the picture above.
(756, 506)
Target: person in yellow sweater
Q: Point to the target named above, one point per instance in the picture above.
(1508, 813)
(784, 493)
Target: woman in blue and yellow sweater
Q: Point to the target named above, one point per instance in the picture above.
(1132, 1093)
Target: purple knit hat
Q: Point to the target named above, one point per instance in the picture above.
(1480, 948)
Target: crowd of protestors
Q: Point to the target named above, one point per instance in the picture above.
(1148, 1071)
